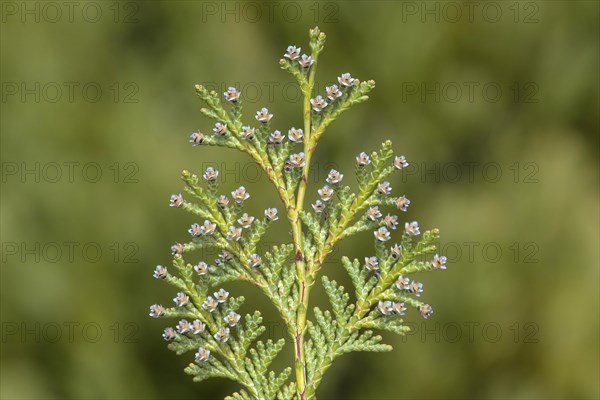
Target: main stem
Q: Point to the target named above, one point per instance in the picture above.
(303, 273)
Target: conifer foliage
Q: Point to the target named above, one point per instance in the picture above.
(221, 335)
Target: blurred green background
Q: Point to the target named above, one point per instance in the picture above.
(495, 104)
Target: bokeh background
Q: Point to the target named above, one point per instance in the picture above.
(494, 103)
